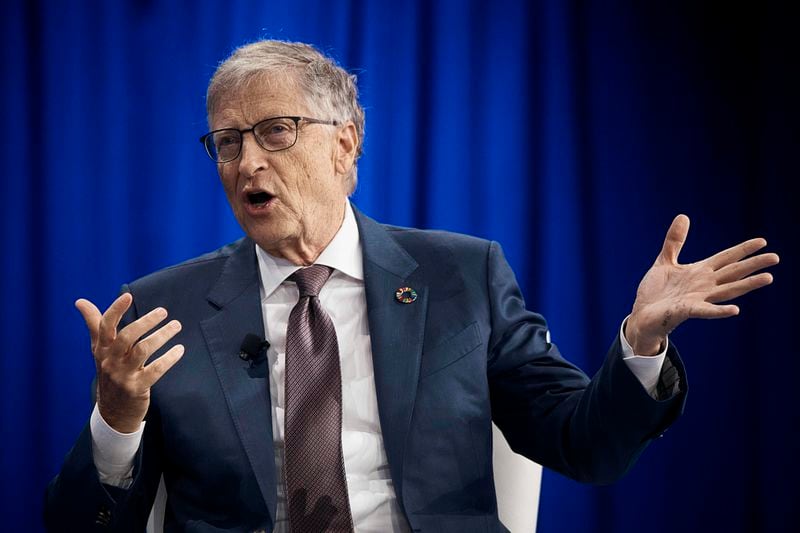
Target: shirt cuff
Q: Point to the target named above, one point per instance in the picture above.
(647, 369)
(113, 452)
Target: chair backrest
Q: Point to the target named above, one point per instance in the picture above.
(517, 481)
(155, 523)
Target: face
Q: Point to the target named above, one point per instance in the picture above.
(291, 203)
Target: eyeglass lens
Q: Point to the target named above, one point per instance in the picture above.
(272, 134)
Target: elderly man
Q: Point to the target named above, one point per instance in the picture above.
(373, 358)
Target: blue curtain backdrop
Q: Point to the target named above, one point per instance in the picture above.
(571, 132)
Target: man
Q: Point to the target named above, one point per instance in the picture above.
(390, 350)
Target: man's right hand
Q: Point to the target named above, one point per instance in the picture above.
(123, 382)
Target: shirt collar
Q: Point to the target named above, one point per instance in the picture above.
(343, 254)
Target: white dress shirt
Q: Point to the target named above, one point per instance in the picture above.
(373, 502)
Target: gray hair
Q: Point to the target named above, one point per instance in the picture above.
(329, 89)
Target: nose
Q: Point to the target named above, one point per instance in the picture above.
(252, 158)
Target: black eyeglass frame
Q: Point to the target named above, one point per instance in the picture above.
(296, 119)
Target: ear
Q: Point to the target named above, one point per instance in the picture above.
(346, 148)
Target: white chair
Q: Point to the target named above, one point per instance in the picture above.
(155, 523)
(517, 481)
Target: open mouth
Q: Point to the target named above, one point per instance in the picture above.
(258, 198)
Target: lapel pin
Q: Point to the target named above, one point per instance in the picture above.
(405, 295)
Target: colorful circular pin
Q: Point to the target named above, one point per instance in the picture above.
(405, 295)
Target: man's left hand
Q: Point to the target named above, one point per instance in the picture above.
(671, 293)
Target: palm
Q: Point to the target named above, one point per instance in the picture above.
(671, 293)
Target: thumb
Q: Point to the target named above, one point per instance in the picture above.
(673, 242)
(91, 315)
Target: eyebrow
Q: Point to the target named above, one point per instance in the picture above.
(225, 117)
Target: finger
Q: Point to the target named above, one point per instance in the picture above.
(131, 333)
(155, 370)
(111, 318)
(745, 267)
(676, 237)
(735, 253)
(710, 311)
(732, 290)
(91, 315)
(148, 346)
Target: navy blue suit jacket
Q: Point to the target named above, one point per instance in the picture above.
(466, 352)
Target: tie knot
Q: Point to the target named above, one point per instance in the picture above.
(311, 279)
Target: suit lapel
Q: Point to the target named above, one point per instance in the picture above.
(236, 295)
(396, 331)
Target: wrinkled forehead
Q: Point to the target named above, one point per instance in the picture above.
(258, 96)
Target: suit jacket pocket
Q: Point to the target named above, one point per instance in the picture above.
(450, 350)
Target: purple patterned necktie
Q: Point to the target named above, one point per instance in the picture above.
(315, 482)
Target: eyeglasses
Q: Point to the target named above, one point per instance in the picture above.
(272, 134)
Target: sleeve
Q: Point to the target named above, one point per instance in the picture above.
(113, 452)
(591, 430)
